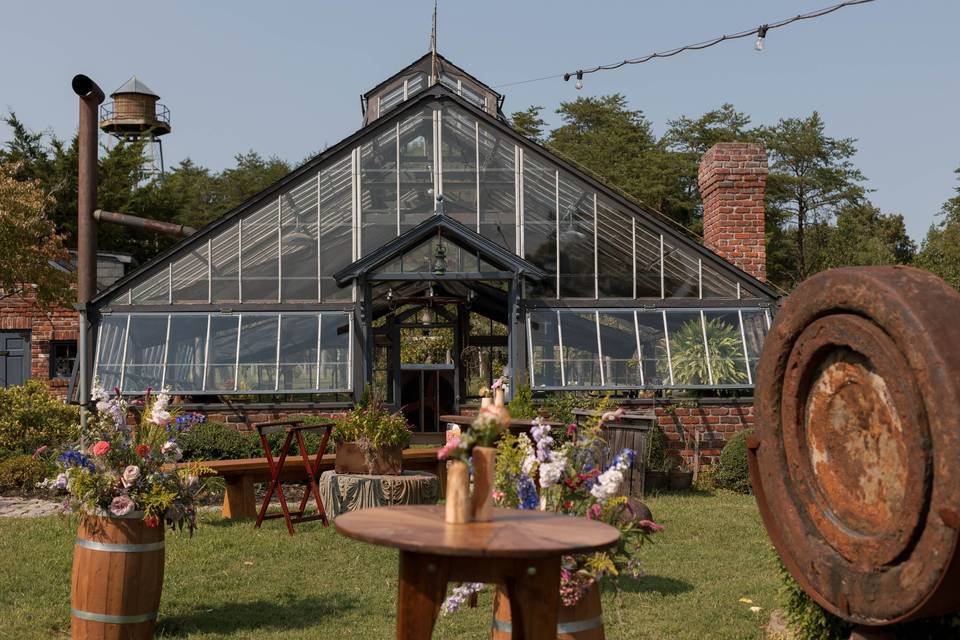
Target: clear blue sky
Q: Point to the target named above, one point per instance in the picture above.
(283, 78)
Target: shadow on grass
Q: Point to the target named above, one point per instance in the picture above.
(283, 612)
(661, 585)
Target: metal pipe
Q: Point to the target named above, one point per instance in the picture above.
(127, 220)
(90, 98)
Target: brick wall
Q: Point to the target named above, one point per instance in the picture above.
(19, 312)
(732, 178)
(715, 422)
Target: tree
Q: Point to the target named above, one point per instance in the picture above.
(529, 123)
(30, 246)
(811, 179)
(941, 248)
(864, 236)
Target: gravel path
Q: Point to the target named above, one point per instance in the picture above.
(13, 507)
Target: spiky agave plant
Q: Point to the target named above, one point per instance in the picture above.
(689, 359)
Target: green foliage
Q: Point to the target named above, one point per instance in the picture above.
(940, 253)
(657, 458)
(217, 441)
(529, 123)
(509, 462)
(21, 473)
(522, 406)
(373, 425)
(733, 472)
(689, 359)
(863, 236)
(31, 417)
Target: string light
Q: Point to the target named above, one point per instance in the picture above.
(760, 32)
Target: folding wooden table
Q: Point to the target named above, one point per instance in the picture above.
(293, 429)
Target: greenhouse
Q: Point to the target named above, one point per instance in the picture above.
(429, 253)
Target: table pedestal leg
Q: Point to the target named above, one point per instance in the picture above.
(423, 585)
(534, 592)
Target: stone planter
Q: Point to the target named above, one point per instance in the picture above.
(681, 480)
(383, 461)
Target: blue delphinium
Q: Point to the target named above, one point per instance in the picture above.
(74, 458)
(527, 493)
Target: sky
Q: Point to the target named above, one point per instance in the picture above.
(284, 78)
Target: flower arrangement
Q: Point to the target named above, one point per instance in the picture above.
(533, 472)
(490, 423)
(122, 474)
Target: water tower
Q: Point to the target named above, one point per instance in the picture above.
(135, 114)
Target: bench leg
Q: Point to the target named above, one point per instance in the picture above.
(239, 500)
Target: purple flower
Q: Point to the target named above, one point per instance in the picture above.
(121, 505)
(527, 492)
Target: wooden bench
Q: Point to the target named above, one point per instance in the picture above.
(240, 501)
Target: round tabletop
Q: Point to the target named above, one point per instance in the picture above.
(511, 534)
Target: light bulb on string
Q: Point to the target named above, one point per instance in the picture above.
(579, 84)
(761, 35)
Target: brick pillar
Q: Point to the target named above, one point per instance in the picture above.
(732, 178)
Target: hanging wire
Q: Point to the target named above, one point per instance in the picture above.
(697, 46)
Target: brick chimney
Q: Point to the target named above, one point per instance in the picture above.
(732, 178)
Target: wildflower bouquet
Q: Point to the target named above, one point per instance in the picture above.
(120, 472)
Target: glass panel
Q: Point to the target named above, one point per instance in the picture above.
(416, 84)
(336, 226)
(681, 277)
(687, 353)
(154, 290)
(498, 198)
(716, 285)
(725, 345)
(225, 265)
(298, 352)
(113, 330)
(459, 136)
(754, 330)
(259, 249)
(416, 169)
(185, 353)
(653, 348)
(576, 240)
(298, 242)
(581, 358)
(471, 96)
(257, 359)
(378, 190)
(615, 252)
(190, 282)
(335, 352)
(391, 98)
(546, 368)
(540, 222)
(143, 364)
(648, 263)
(222, 353)
(618, 340)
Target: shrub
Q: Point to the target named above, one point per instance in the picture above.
(217, 441)
(522, 406)
(21, 473)
(733, 472)
(657, 459)
(31, 417)
(375, 425)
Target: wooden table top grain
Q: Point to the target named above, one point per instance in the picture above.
(511, 534)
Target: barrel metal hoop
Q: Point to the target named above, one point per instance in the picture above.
(120, 548)
(109, 619)
(562, 627)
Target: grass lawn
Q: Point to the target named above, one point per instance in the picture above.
(230, 581)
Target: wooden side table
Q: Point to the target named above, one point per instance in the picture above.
(520, 549)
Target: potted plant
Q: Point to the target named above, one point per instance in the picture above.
(680, 478)
(126, 483)
(370, 440)
(568, 479)
(656, 474)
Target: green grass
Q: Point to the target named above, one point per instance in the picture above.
(230, 581)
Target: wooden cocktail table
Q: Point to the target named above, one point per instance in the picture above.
(520, 549)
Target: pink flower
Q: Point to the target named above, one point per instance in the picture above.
(101, 448)
(130, 475)
(39, 452)
(499, 382)
(593, 513)
(448, 448)
(121, 505)
(650, 526)
(612, 416)
(571, 429)
(495, 413)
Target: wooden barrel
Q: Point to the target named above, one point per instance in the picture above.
(583, 621)
(117, 579)
(854, 461)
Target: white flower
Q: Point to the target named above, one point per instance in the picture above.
(159, 417)
(130, 475)
(551, 472)
(171, 450)
(607, 484)
(529, 462)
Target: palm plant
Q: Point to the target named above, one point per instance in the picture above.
(689, 360)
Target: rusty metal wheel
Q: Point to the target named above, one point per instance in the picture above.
(856, 458)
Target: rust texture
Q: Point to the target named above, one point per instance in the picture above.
(90, 98)
(157, 226)
(855, 466)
